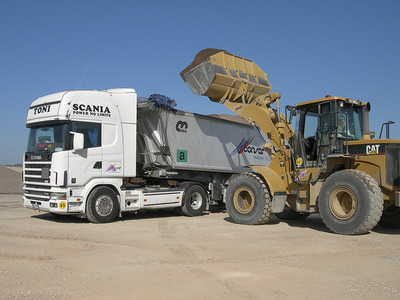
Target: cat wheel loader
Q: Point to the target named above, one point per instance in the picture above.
(329, 164)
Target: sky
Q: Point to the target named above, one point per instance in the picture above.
(308, 49)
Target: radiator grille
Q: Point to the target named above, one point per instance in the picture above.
(37, 181)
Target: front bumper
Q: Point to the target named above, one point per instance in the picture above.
(66, 206)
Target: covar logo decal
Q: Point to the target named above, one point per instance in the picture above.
(245, 147)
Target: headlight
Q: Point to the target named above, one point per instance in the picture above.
(58, 196)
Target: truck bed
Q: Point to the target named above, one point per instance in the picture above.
(178, 140)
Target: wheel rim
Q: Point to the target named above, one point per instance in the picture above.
(104, 205)
(243, 200)
(343, 203)
(196, 200)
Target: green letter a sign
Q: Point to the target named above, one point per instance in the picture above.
(181, 155)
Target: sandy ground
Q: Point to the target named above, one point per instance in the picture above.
(165, 256)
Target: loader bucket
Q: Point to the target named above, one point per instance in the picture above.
(223, 76)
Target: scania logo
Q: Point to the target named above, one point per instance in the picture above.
(181, 126)
(36, 157)
(91, 110)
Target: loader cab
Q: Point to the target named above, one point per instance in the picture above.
(324, 127)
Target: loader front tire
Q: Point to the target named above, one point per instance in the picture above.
(350, 202)
(248, 200)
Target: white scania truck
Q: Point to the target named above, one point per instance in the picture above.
(96, 154)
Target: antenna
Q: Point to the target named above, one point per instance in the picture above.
(84, 74)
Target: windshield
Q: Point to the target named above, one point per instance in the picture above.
(50, 138)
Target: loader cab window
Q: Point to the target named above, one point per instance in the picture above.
(310, 134)
(313, 138)
(306, 136)
(349, 120)
(90, 131)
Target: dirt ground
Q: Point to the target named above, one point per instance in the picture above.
(165, 256)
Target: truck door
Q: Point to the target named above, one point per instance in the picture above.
(112, 146)
(85, 164)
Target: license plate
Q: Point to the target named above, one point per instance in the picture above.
(35, 206)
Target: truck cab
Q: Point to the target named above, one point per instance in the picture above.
(76, 140)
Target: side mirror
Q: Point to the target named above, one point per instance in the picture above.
(292, 113)
(78, 141)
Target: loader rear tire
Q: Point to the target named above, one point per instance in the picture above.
(248, 200)
(350, 202)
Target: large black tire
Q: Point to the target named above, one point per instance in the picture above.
(102, 205)
(194, 200)
(350, 202)
(390, 217)
(248, 200)
(289, 214)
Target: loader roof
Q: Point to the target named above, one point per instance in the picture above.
(330, 98)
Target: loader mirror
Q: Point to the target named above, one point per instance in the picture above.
(78, 141)
(292, 113)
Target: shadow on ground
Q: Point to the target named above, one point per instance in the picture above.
(315, 222)
(126, 216)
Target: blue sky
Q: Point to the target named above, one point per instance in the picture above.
(308, 49)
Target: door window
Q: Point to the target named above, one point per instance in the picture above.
(90, 131)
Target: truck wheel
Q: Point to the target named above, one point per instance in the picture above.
(194, 200)
(248, 200)
(102, 205)
(290, 214)
(390, 217)
(350, 202)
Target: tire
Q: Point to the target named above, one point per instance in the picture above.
(290, 214)
(390, 217)
(102, 205)
(248, 200)
(194, 200)
(350, 202)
